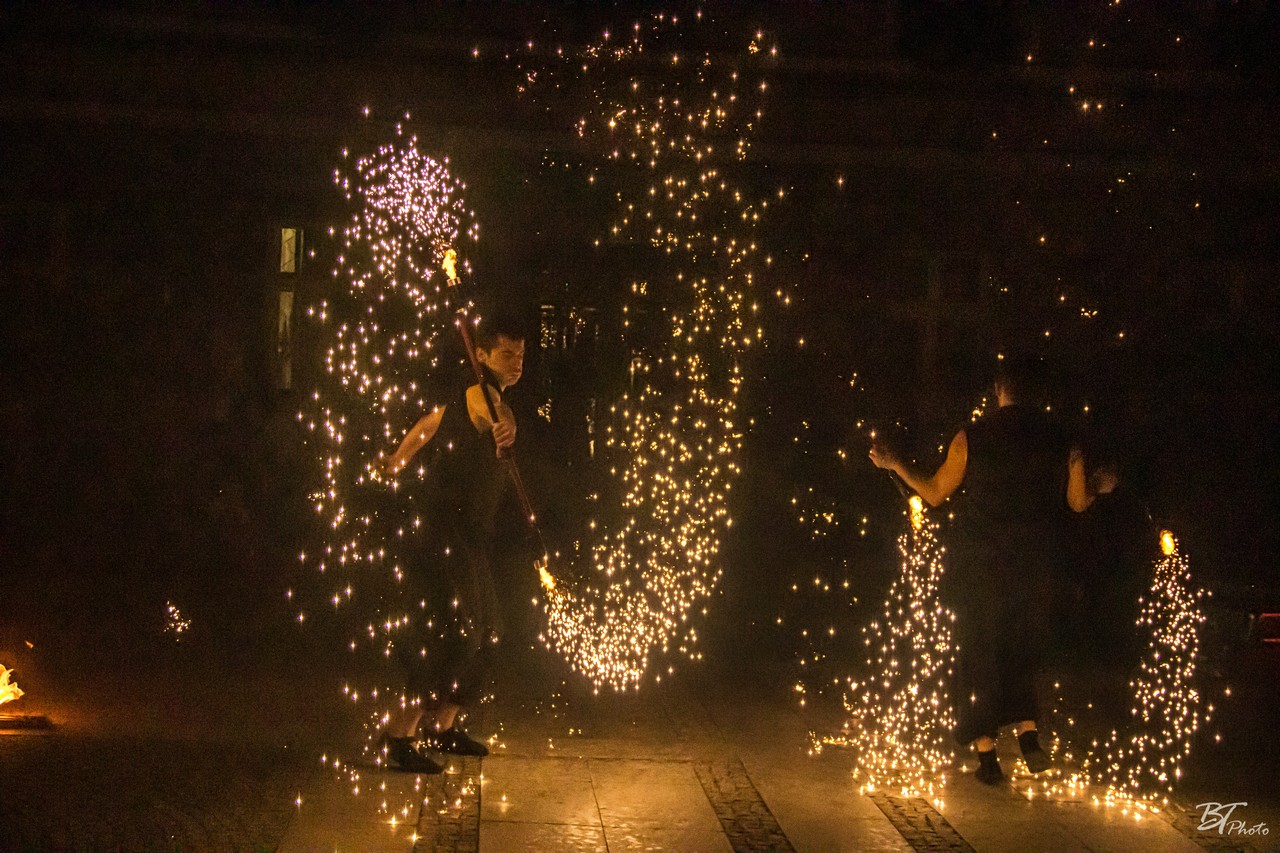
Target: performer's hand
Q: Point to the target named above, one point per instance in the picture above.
(882, 457)
(390, 467)
(504, 435)
(1104, 481)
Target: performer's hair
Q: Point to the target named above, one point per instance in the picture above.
(495, 324)
(1023, 377)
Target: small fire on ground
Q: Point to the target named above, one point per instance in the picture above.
(8, 690)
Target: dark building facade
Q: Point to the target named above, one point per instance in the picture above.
(1099, 189)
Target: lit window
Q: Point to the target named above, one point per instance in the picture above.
(290, 249)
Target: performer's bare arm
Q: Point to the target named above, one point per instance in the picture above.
(504, 431)
(1082, 489)
(942, 484)
(414, 440)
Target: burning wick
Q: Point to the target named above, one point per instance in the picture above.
(450, 265)
(548, 582)
(917, 512)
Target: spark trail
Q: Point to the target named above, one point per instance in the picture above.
(381, 319)
(670, 131)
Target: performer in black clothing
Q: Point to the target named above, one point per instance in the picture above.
(446, 665)
(1113, 544)
(1020, 476)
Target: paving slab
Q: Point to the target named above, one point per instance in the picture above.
(379, 812)
(657, 838)
(67, 790)
(538, 790)
(708, 766)
(817, 808)
(639, 795)
(507, 836)
(1109, 829)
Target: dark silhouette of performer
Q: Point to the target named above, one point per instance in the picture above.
(446, 665)
(1020, 476)
(1114, 545)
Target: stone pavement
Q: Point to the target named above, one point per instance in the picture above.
(699, 767)
(706, 763)
(71, 791)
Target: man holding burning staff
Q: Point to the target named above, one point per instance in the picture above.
(446, 661)
(1019, 477)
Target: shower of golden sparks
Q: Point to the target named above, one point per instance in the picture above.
(387, 307)
(671, 130)
(175, 623)
(1143, 762)
(1136, 768)
(900, 716)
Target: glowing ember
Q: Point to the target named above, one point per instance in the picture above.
(917, 512)
(408, 210)
(9, 691)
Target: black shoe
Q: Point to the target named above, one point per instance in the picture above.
(456, 741)
(1035, 757)
(409, 755)
(989, 772)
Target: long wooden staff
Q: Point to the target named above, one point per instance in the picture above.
(462, 321)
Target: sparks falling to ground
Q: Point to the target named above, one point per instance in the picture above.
(1136, 768)
(382, 319)
(671, 131)
(900, 716)
(1142, 762)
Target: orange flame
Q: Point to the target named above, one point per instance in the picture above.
(548, 582)
(8, 692)
(450, 265)
(917, 512)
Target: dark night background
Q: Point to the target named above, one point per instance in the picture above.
(949, 198)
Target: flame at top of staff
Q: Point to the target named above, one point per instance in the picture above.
(449, 263)
(8, 692)
(407, 208)
(1167, 543)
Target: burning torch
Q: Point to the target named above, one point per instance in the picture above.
(462, 321)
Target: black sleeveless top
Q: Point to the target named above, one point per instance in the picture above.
(1015, 481)
(464, 474)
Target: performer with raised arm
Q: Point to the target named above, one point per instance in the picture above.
(446, 665)
(1017, 476)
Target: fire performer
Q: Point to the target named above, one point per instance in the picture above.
(446, 665)
(1019, 476)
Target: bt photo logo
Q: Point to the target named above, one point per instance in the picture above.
(1218, 816)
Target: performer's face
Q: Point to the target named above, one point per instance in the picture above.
(505, 358)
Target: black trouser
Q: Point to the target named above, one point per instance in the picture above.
(455, 620)
(1002, 598)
